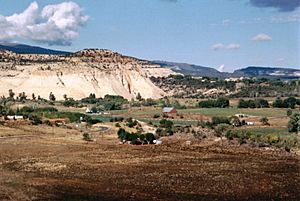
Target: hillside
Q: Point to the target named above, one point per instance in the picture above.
(77, 75)
(27, 49)
(191, 69)
(268, 72)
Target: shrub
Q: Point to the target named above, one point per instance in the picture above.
(294, 123)
(150, 138)
(220, 102)
(155, 116)
(87, 137)
(264, 121)
(220, 120)
(164, 123)
(36, 120)
(121, 134)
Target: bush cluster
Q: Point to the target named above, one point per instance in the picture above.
(257, 103)
(135, 138)
(220, 102)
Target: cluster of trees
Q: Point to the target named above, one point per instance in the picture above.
(247, 88)
(289, 102)
(247, 137)
(165, 128)
(220, 102)
(257, 103)
(135, 138)
(109, 102)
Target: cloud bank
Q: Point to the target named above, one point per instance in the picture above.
(56, 24)
(220, 46)
(281, 5)
(262, 37)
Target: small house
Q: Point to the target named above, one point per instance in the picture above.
(169, 110)
(15, 117)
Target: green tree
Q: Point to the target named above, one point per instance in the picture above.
(150, 138)
(52, 97)
(139, 97)
(265, 121)
(294, 123)
(11, 93)
(289, 112)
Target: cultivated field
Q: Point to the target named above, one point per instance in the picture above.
(52, 163)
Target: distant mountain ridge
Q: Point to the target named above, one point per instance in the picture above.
(183, 68)
(27, 49)
(191, 69)
(268, 72)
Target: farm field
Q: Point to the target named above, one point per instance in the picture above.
(59, 165)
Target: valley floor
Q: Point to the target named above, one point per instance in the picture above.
(44, 163)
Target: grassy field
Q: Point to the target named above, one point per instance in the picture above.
(266, 112)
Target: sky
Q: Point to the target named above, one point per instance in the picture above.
(223, 34)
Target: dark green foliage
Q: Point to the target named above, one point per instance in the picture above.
(52, 97)
(150, 138)
(265, 121)
(289, 112)
(109, 102)
(121, 134)
(25, 109)
(220, 102)
(131, 123)
(36, 120)
(220, 120)
(164, 123)
(72, 116)
(294, 123)
(135, 138)
(46, 109)
(70, 102)
(155, 116)
(90, 100)
(290, 102)
(257, 103)
(149, 102)
(139, 97)
(87, 137)
(117, 119)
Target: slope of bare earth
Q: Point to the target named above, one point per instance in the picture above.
(77, 75)
(55, 164)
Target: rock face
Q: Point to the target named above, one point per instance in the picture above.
(77, 75)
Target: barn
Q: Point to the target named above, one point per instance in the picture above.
(169, 110)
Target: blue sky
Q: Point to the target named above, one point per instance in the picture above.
(224, 34)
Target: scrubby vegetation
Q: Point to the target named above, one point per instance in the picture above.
(190, 87)
(135, 138)
(220, 102)
(257, 103)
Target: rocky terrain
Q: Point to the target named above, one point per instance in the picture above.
(79, 74)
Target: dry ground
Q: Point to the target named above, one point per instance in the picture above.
(58, 165)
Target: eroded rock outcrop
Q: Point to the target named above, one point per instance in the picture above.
(77, 75)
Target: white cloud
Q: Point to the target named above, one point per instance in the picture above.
(262, 37)
(233, 46)
(56, 24)
(220, 46)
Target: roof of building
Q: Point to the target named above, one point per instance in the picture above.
(168, 109)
